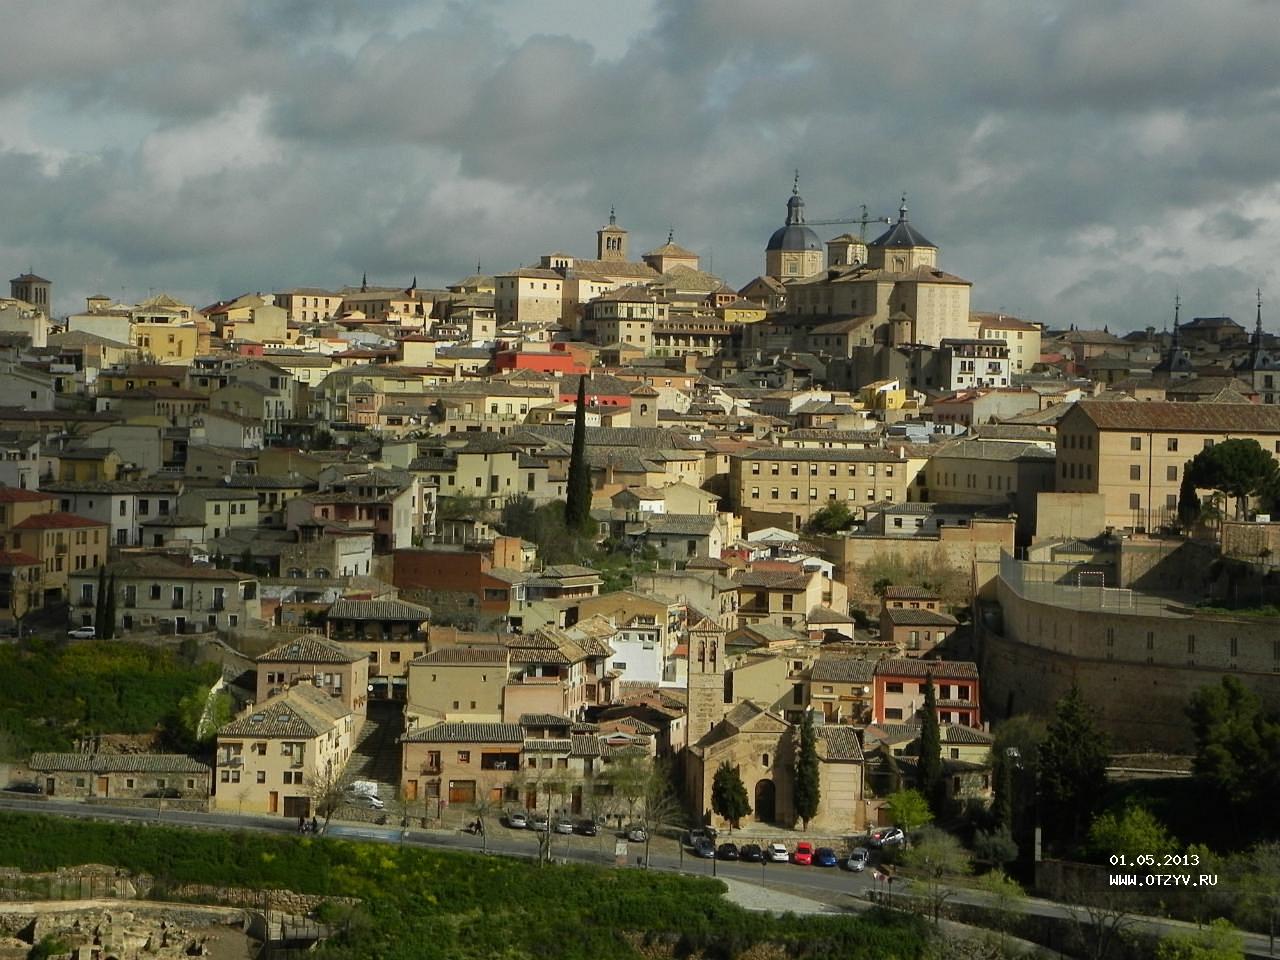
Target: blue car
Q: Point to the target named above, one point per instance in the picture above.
(825, 857)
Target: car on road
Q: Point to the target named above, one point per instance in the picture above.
(887, 837)
(751, 853)
(82, 633)
(587, 828)
(825, 857)
(539, 821)
(517, 819)
(858, 859)
(705, 849)
(727, 851)
(804, 854)
(637, 834)
(562, 825)
(777, 853)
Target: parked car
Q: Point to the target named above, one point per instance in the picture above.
(587, 828)
(887, 837)
(82, 633)
(705, 849)
(368, 800)
(700, 833)
(777, 853)
(803, 854)
(562, 825)
(727, 851)
(637, 834)
(825, 857)
(858, 859)
(751, 853)
(168, 793)
(518, 819)
(23, 788)
(539, 821)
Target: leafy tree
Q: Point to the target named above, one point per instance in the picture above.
(1015, 773)
(1237, 749)
(1256, 879)
(1004, 892)
(807, 791)
(458, 506)
(1218, 941)
(662, 806)
(910, 810)
(109, 614)
(1073, 767)
(1002, 799)
(930, 765)
(940, 858)
(996, 846)
(729, 795)
(830, 519)
(1238, 468)
(577, 511)
(1131, 832)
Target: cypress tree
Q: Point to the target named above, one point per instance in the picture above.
(931, 782)
(808, 792)
(109, 611)
(577, 510)
(100, 602)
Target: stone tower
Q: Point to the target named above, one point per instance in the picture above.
(793, 251)
(36, 291)
(705, 679)
(611, 241)
(644, 406)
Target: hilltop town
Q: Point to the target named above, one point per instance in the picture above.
(812, 504)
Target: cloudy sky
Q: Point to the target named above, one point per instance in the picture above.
(1078, 161)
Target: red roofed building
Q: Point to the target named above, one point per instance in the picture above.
(553, 361)
(62, 543)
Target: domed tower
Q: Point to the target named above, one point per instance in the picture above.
(902, 247)
(794, 251)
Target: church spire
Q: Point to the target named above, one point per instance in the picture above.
(902, 209)
(1257, 328)
(671, 234)
(613, 217)
(364, 281)
(795, 184)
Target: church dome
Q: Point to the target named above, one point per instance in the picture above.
(902, 234)
(794, 235)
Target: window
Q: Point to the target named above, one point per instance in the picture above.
(1135, 443)
(764, 759)
(893, 688)
(1135, 501)
(1173, 444)
(1171, 473)
(1135, 471)
(1235, 648)
(464, 756)
(893, 713)
(395, 656)
(1111, 636)
(773, 493)
(1208, 444)
(1151, 640)
(262, 776)
(1191, 643)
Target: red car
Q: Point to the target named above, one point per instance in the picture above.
(803, 854)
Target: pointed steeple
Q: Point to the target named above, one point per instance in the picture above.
(795, 205)
(902, 210)
(795, 184)
(1257, 327)
(613, 217)
(364, 281)
(413, 285)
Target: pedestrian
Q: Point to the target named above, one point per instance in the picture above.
(302, 824)
(315, 825)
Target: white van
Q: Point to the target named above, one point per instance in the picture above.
(364, 793)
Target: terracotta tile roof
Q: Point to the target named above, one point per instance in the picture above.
(378, 610)
(544, 720)
(57, 521)
(941, 669)
(18, 495)
(549, 745)
(452, 655)
(16, 558)
(1224, 418)
(301, 712)
(117, 762)
(842, 742)
(907, 617)
(909, 592)
(312, 649)
(452, 732)
(842, 670)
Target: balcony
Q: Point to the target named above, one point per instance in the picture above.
(178, 604)
(217, 606)
(430, 769)
(235, 760)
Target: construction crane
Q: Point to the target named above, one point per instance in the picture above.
(860, 221)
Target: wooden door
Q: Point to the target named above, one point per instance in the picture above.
(273, 802)
(411, 790)
(104, 785)
(462, 791)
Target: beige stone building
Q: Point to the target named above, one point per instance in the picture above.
(457, 683)
(1022, 338)
(794, 250)
(530, 295)
(339, 671)
(123, 776)
(457, 764)
(1134, 454)
(280, 756)
(840, 688)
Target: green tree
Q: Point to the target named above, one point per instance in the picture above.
(577, 511)
(1256, 883)
(1002, 798)
(1073, 768)
(729, 795)
(1237, 751)
(1189, 506)
(996, 846)
(100, 601)
(459, 506)
(1238, 468)
(109, 614)
(807, 791)
(930, 764)
(1131, 832)
(1004, 893)
(939, 858)
(830, 519)
(910, 810)
(1218, 941)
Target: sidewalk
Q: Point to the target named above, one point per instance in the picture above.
(751, 896)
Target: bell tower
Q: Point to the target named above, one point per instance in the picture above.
(611, 241)
(705, 679)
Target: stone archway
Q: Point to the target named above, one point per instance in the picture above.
(765, 805)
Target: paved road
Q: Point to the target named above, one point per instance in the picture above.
(834, 886)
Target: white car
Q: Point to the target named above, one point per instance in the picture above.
(637, 833)
(858, 859)
(777, 853)
(82, 633)
(370, 800)
(517, 819)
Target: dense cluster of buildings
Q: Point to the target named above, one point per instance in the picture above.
(320, 474)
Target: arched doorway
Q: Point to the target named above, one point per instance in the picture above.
(764, 805)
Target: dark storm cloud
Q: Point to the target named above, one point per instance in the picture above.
(1077, 161)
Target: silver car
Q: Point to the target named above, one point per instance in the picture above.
(562, 825)
(777, 853)
(517, 819)
(858, 859)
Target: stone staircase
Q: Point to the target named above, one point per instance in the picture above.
(376, 757)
